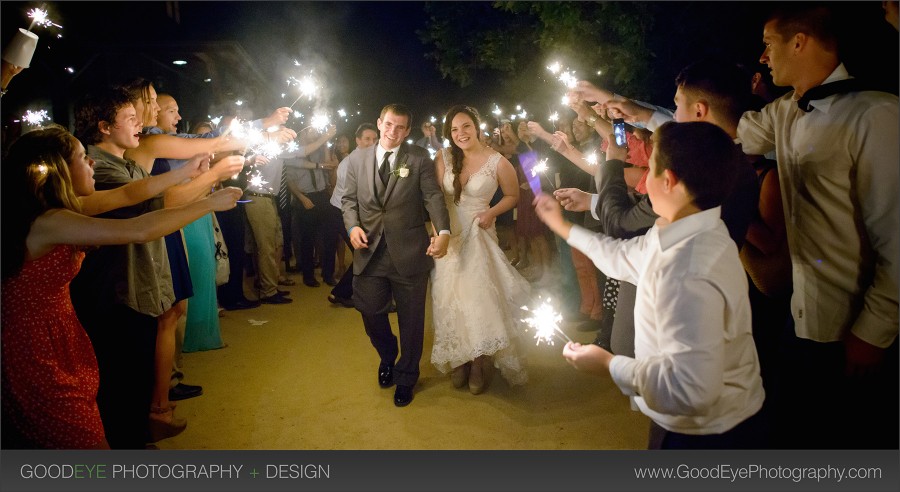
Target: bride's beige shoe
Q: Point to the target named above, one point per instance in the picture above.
(460, 375)
(478, 376)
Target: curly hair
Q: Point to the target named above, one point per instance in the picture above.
(35, 179)
(455, 151)
(97, 107)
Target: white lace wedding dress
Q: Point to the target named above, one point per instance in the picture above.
(476, 294)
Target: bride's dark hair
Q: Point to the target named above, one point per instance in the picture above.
(455, 151)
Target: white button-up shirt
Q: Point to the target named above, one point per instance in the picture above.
(838, 166)
(695, 369)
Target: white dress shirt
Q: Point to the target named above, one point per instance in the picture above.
(695, 369)
(838, 166)
(340, 186)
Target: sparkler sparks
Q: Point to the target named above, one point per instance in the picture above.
(541, 167)
(591, 158)
(40, 17)
(320, 121)
(545, 322)
(35, 118)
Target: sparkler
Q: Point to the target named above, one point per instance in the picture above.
(40, 17)
(591, 158)
(35, 118)
(307, 85)
(497, 112)
(542, 168)
(545, 322)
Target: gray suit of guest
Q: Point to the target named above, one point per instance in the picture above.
(395, 264)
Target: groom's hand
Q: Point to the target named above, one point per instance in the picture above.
(438, 246)
(358, 238)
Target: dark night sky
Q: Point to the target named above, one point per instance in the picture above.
(369, 51)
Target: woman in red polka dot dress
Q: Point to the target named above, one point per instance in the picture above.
(49, 372)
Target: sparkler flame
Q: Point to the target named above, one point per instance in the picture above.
(545, 322)
(35, 118)
(591, 158)
(541, 167)
(554, 117)
(554, 67)
(41, 18)
(319, 121)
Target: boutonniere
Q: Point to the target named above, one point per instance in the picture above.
(402, 168)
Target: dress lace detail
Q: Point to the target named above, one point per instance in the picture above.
(476, 293)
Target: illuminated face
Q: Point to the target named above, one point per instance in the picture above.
(777, 55)
(394, 130)
(123, 132)
(343, 144)
(581, 131)
(168, 117)
(655, 185)
(463, 131)
(683, 107)
(368, 139)
(81, 168)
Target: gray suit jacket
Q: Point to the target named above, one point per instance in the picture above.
(398, 216)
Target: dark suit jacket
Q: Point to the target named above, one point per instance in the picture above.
(398, 216)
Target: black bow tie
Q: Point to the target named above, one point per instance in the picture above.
(829, 89)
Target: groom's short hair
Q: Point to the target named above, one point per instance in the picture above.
(399, 110)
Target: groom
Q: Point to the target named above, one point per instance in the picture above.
(389, 187)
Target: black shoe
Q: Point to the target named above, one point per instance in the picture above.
(343, 301)
(311, 282)
(403, 395)
(241, 304)
(293, 269)
(183, 391)
(277, 298)
(385, 375)
(330, 281)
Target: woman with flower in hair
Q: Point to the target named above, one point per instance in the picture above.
(49, 371)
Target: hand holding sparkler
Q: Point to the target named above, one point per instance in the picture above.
(560, 142)
(228, 167)
(195, 166)
(277, 118)
(573, 199)
(590, 92)
(549, 211)
(588, 358)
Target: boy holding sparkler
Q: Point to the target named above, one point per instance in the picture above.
(695, 372)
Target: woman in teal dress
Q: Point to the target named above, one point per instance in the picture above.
(202, 327)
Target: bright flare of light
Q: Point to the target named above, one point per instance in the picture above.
(554, 117)
(483, 126)
(239, 102)
(39, 17)
(410, 141)
(541, 167)
(545, 323)
(257, 181)
(431, 152)
(591, 158)
(342, 113)
(432, 119)
(569, 79)
(319, 121)
(291, 146)
(70, 70)
(308, 87)
(496, 110)
(446, 143)
(523, 114)
(565, 100)
(269, 149)
(35, 118)
(554, 67)
(298, 114)
(215, 121)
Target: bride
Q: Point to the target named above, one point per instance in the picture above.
(476, 293)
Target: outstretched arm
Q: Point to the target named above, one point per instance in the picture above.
(63, 226)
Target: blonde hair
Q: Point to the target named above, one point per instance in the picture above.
(35, 179)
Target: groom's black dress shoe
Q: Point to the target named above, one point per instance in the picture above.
(403, 395)
(385, 375)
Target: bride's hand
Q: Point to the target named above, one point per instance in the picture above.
(484, 220)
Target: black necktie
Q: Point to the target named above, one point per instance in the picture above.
(312, 174)
(385, 170)
(284, 194)
(829, 89)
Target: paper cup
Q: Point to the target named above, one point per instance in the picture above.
(21, 48)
